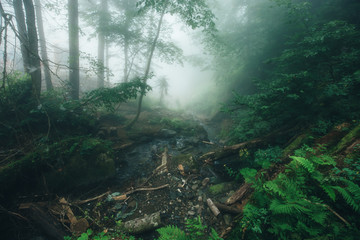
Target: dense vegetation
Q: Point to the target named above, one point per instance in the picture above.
(288, 75)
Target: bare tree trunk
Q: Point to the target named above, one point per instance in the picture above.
(20, 21)
(74, 52)
(126, 60)
(34, 59)
(44, 55)
(107, 58)
(147, 69)
(101, 43)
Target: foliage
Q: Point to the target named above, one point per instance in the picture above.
(305, 78)
(305, 201)
(111, 97)
(195, 230)
(264, 157)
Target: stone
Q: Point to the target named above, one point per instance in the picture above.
(205, 182)
(191, 213)
(227, 219)
(167, 133)
(221, 188)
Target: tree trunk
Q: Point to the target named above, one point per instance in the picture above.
(20, 21)
(126, 60)
(34, 59)
(44, 55)
(101, 43)
(74, 73)
(147, 69)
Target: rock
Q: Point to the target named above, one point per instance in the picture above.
(191, 213)
(167, 133)
(205, 182)
(146, 223)
(221, 188)
(200, 199)
(194, 187)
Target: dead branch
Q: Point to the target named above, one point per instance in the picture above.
(91, 199)
(212, 207)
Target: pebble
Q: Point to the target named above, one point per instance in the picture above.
(191, 213)
(194, 187)
(200, 198)
(205, 181)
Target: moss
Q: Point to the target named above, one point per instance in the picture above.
(347, 140)
(221, 188)
(300, 140)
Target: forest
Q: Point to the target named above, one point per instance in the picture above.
(179, 119)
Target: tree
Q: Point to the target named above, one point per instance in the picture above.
(74, 52)
(29, 42)
(194, 13)
(44, 56)
(101, 41)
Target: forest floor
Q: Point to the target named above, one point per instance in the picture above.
(160, 171)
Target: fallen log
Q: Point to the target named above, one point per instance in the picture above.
(227, 209)
(229, 150)
(163, 167)
(242, 192)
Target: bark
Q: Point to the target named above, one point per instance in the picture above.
(126, 60)
(241, 193)
(74, 71)
(148, 65)
(20, 21)
(34, 59)
(42, 40)
(101, 44)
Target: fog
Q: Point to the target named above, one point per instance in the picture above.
(186, 81)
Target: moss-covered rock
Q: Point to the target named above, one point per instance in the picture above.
(221, 188)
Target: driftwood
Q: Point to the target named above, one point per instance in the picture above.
(242, 192)
(212, 207)
(227, 209)
(146, 223)
(46, 222)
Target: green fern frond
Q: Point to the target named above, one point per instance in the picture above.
(305, 163)
(329, 191)
(319, 216)
(271, 186)
(353, 188)
(347, 197)
(171, 232)
(278, 207)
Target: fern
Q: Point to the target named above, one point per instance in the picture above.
(278, 207)
(305, 163)
(329, 191)
(171, 232)
(347, 197)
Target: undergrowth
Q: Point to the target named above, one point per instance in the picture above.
(313, 198)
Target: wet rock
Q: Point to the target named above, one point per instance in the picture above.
(205, 182)
(146, 223)
(191, 213)
(167, 133)
(194, 187)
